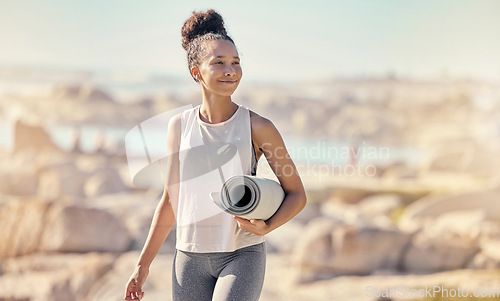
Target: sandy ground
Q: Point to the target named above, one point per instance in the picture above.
(280, 286)
(280, 283)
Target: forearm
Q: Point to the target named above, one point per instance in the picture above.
(293, 203)
(163, 221)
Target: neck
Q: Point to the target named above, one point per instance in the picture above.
(216, 108)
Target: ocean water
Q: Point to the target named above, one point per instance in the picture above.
(301, 149)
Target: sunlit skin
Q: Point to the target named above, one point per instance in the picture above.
(219, 74)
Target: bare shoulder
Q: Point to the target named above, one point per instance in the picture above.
(174, 130)
(176, 118)
(174, 124)
(260, 123)
(264, 133)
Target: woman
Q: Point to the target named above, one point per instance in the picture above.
(218, 256)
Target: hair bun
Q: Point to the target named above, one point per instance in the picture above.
(201, 23)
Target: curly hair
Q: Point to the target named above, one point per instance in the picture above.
(201, 27)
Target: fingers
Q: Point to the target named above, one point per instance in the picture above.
(245, 221)
(240, 219)
(134, 296)
(133, 292)
(242, 223)
(255, 226)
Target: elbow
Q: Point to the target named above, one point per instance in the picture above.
(301, 200)
(297, 200)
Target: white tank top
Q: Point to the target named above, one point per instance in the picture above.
(210, 154)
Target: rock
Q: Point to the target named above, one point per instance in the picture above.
(19, 182)
(62, 179)
(106, 176)
(78, 229)
(310, 211)
(367, 249)
(430, 207)
(66, 91)
(91, 93)
(87, 272)
(468, 157)
(425, 256)
(15, 299)
(23, 183)
(447, 243)
(490, 249)
(143, 205)
(349, 195)
(21, 226)
(400, 171)
(53, 276)
(90, 163)
(29, 226)
(327, 248)
(380, 204)
(346, 213)
(138, 228)
(459, 224)
(36, 287)
(483, 261)
(32, 137)
(483, 162)
(111, 287)
(140, 233)
(18, 173)
(283, 239)
(489, 244)
(450, 161)
(381, 221)
(104, 181)
(313, 247)
(80, 92)
(490, 230)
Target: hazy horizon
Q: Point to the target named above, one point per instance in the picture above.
(278, 41)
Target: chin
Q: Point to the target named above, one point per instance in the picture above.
(227, 92)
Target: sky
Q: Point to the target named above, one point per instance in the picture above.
(277, 40)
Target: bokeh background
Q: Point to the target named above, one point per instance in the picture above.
(390, 110)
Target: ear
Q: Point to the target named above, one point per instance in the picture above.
(196, 73)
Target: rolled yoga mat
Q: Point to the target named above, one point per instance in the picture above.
(249, 197)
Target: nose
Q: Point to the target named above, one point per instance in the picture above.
(230, 71)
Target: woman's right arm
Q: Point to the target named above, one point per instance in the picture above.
(164, 216)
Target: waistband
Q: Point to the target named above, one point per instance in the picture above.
(260, 247)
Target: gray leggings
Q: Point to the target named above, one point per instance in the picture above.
(220, 276)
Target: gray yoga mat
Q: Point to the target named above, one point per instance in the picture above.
(249, 197)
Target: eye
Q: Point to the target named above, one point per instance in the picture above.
(236, 63)
(219, 62)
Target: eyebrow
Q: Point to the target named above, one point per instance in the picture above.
(220, 57)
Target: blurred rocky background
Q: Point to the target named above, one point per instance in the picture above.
(72, 223)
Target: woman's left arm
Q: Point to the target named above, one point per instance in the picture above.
(271, 144)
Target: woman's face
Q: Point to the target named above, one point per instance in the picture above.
(220, 71)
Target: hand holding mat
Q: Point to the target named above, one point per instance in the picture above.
(249, 197)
